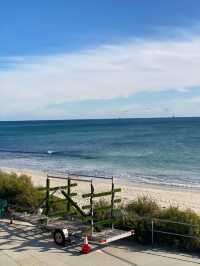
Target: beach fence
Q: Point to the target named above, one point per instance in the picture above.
(157, 223)
(162, 227)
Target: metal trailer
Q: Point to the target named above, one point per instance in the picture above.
(73, 227)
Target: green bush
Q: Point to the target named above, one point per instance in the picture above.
(19, 190)
(102, 210)
(58, 207)
(139, 213)
(143, 207)
(189, 224)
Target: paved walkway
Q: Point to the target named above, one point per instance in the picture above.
(22, 244)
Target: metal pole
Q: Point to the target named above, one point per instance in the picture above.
(152, 232)
(112, 201)
(47, 198)
(68, 192)
(92, 210)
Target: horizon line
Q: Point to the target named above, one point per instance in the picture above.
(114, 118)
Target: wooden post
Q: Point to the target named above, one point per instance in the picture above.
(47, 197)
(68, 193)
(112, 201)
(92, 209)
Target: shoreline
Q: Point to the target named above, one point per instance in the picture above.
(164, 195)
(43, 174)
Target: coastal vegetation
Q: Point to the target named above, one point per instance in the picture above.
(169, 224)
(172, 226)
(19, 190)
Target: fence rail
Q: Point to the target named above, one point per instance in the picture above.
(157, 222)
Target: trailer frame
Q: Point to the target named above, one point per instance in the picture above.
(65, 229)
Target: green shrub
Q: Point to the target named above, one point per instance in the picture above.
(58, 207)
(188, 224)
(19, 190)
(102, 210)
(138, 214)
(144, 207)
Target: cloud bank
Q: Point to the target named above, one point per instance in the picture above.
(31, 84)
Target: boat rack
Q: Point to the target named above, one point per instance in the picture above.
(84, 222)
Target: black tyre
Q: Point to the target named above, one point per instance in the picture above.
(59, 237)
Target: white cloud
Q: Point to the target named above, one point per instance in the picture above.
(108, 71)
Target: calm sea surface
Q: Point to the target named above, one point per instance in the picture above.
(159, 151)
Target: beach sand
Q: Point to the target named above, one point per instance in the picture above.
(164, 195)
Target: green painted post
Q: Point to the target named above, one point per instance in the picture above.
(92, 207)
(68, 193)
(47, 197)
(112, 201)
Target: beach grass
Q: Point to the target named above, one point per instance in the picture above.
(181, 227)
(138, 213)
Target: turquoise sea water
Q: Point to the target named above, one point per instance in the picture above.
(160, 151)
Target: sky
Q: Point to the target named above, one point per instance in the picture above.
(99, 59)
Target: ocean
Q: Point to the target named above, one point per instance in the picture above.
(162, 151)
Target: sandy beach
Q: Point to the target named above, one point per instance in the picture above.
(164, 195)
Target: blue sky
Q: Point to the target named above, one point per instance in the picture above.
(99, 59)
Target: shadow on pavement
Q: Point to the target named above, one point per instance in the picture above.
(175, 255)
(18, 237)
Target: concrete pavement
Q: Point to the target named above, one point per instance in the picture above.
(26, 245)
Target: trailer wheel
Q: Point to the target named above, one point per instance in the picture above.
(59, 237)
